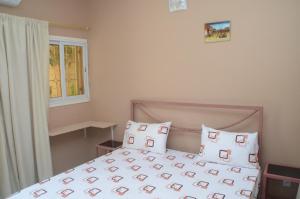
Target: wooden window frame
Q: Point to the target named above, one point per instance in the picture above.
(64, 99)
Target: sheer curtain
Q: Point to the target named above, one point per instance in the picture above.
(25, 154)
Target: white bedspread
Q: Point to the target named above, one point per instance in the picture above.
(135, 174)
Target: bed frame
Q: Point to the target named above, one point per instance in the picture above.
(253, 110)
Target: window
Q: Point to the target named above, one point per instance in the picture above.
(68, 71)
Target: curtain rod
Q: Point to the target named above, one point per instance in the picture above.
(66, 26)
(69, 26)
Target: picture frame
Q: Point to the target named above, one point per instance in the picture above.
(217, 31)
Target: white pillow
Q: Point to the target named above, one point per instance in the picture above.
(232, 148)
(145, 136)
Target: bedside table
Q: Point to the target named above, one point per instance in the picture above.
(280, 182)
(108, 146)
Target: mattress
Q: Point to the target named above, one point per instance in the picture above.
(129, 173)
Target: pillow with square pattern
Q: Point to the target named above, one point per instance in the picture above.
(146, 136)
(232, 148)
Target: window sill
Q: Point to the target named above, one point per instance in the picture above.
(58, 103)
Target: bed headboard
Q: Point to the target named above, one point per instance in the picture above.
(250, 110)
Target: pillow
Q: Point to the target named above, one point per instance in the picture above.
(145, 136)
(237, 149)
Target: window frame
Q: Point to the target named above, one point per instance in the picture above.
(64, 99)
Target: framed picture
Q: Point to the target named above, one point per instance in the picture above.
(217, 31)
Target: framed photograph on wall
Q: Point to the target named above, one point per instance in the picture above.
(217, 31)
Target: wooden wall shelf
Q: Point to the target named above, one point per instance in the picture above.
(82, 125)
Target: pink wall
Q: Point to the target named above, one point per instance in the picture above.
(65, 12)
(140, 50)
(67, 150)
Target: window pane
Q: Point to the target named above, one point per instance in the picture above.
(74, 70)
(54, 72)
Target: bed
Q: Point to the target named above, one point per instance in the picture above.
(130, 173)
(134, 173)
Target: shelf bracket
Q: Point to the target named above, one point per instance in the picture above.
(84, 133)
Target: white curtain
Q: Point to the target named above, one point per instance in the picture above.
(25, 156)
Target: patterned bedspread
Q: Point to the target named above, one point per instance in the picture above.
(129, 173)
